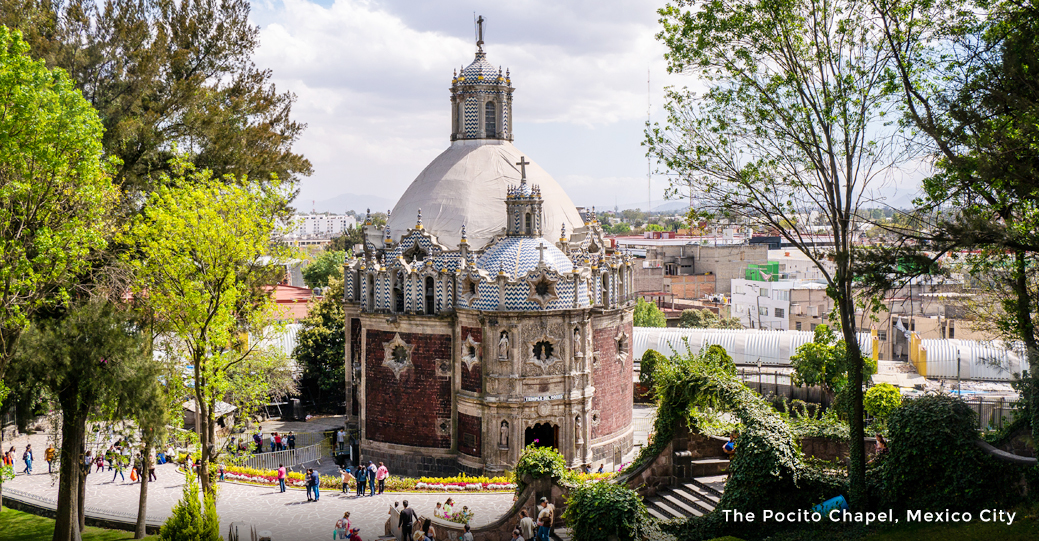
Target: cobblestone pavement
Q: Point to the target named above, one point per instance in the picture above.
(289, 516)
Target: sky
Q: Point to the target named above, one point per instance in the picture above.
(372, 79)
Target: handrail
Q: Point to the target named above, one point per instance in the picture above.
(292, 457)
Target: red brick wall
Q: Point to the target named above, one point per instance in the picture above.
(612, 381)
(406, 411)
(472, 380)
(469, 430)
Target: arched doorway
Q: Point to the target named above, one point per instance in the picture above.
(546, 435)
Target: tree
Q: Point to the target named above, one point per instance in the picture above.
(189, 520)
(55, 197)
(792, 122)
(648, 315)
(329, 264)
(346, 241)
(321, 342)
(966, 70)
(198, 245)
(90, 358)
(165, 74)
(706, 319)
(824, 361)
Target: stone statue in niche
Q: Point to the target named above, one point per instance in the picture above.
(577, 340)
(503, 436)
(503, 346)
(578, 431)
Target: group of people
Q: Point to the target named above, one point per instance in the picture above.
(527, 529)
(119, 457)
(408, 519)
(366, 476)
(27, 458)
(279, 442)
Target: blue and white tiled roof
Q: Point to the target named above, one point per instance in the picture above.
(518, 255)
(480, 71)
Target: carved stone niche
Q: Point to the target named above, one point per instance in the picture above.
(444, 427)
(543, 352)
(623, 346)
(471, 352)
(542, 289)
(397, 356)
(443, 368)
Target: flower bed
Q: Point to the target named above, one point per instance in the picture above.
(393, 483)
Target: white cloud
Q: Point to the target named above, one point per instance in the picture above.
(372, 83)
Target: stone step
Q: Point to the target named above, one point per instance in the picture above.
(703, 484)
(654, 513)
(666, 508)
(700, 500)
(560, 534)
(706, 467)
(684, 504)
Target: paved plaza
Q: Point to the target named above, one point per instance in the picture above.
(288, 516)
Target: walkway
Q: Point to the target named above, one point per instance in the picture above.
(288, 516)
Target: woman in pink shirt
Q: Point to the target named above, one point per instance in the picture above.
(281, 477)
(380, 475)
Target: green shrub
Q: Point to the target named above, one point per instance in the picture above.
(650, 360)
(882, 400)
(190, 521)
(933, 462)
(648, 315)
(540, 462)
(596, 511)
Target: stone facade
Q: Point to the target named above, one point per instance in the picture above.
(463, 355)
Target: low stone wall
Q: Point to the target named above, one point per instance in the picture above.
(1020, 443)
(830, 450)
(651, 476)
(110, 523)
(502, 527)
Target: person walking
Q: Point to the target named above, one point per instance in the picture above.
(468, 535)
(362, 480)
(292, 441)
(545, 517)
(117, 460)
(49, 455)
(526, 525)
(281, 477)
(9, 457)
(381, 474)
(309, 479)
(406, 521)
(347, 476)
(343, 527)
(340, 439)
(372, 471)
(27, 458)
(317, 484)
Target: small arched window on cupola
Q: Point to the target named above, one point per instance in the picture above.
(529, 229)
(490, 119)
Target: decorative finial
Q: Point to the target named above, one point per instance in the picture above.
(562, 233)
(463, 233)
(418, 224)
(501, 269)
(368, 217)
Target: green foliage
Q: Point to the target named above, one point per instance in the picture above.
(189, 520)
(321, 342)
(198, 247)
(164, 74)
(882, 400)
(767, 470)
(933, 462)
(54, 194)
(706, 319)
(648, 315)
(345, 242)
(650, 360)
(810, 421)
(655, 227)
(824, 361)
(6, 473)
(596, 511)
(539, 461)
(328, 265)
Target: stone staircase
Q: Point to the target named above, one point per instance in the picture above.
(688, 497)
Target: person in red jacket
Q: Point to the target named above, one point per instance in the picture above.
(354, 534)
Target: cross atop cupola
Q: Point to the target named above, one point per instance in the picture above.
(523, 206)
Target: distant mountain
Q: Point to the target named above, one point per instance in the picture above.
(347, 201)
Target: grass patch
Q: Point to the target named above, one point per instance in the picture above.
(19, 526)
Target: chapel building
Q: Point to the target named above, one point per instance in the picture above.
(488, 313)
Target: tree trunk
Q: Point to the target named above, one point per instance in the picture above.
(142, 505)
(1026, 330)
(73, 437)
(857, 429)
(82, 501)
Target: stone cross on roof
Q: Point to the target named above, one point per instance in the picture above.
(523, 163)
(541, 248)
(479, 33)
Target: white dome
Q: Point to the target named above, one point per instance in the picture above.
(466, 184)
